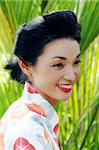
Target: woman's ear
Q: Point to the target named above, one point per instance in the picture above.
(25, 68)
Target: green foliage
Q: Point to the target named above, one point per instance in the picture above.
(79, 123)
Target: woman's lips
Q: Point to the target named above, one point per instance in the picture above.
(65, 88)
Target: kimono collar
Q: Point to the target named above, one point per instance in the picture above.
(39, 104)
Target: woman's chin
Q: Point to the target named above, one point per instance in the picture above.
(65, 97)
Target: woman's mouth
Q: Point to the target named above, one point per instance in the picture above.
(65, 87)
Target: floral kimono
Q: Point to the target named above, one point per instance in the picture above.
(30, 123)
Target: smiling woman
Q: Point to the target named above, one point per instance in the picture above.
(59, 72)
(47, 61)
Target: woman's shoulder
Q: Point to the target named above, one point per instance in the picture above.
(21, 110)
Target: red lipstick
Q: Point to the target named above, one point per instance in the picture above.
(65, 87)
(65, 90)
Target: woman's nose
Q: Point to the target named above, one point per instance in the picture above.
(70, 74)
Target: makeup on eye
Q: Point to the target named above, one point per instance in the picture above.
(59, 62)
(58, 65)
(77, 62)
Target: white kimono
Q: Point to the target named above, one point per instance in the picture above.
(30, 123)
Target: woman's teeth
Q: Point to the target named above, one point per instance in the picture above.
(65, 86)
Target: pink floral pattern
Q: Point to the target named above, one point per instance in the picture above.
(36, 108)
(56, 128)
(22, 144)
(2, 147)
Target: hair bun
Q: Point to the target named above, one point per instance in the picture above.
(16, 72)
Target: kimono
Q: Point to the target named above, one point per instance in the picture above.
(30, 123)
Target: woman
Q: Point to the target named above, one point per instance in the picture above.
(47, 61)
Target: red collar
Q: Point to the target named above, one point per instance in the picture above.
(30, 89)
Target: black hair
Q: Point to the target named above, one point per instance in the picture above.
(32, 37)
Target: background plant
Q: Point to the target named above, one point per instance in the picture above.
(79, 123)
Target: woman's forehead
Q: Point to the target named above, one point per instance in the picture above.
(61, 48)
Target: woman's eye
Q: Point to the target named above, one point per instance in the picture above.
(59, 66)
(77, 62)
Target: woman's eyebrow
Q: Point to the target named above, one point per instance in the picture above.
(59, 57)
(64, 58)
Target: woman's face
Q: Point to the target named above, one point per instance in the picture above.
(57, 69)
